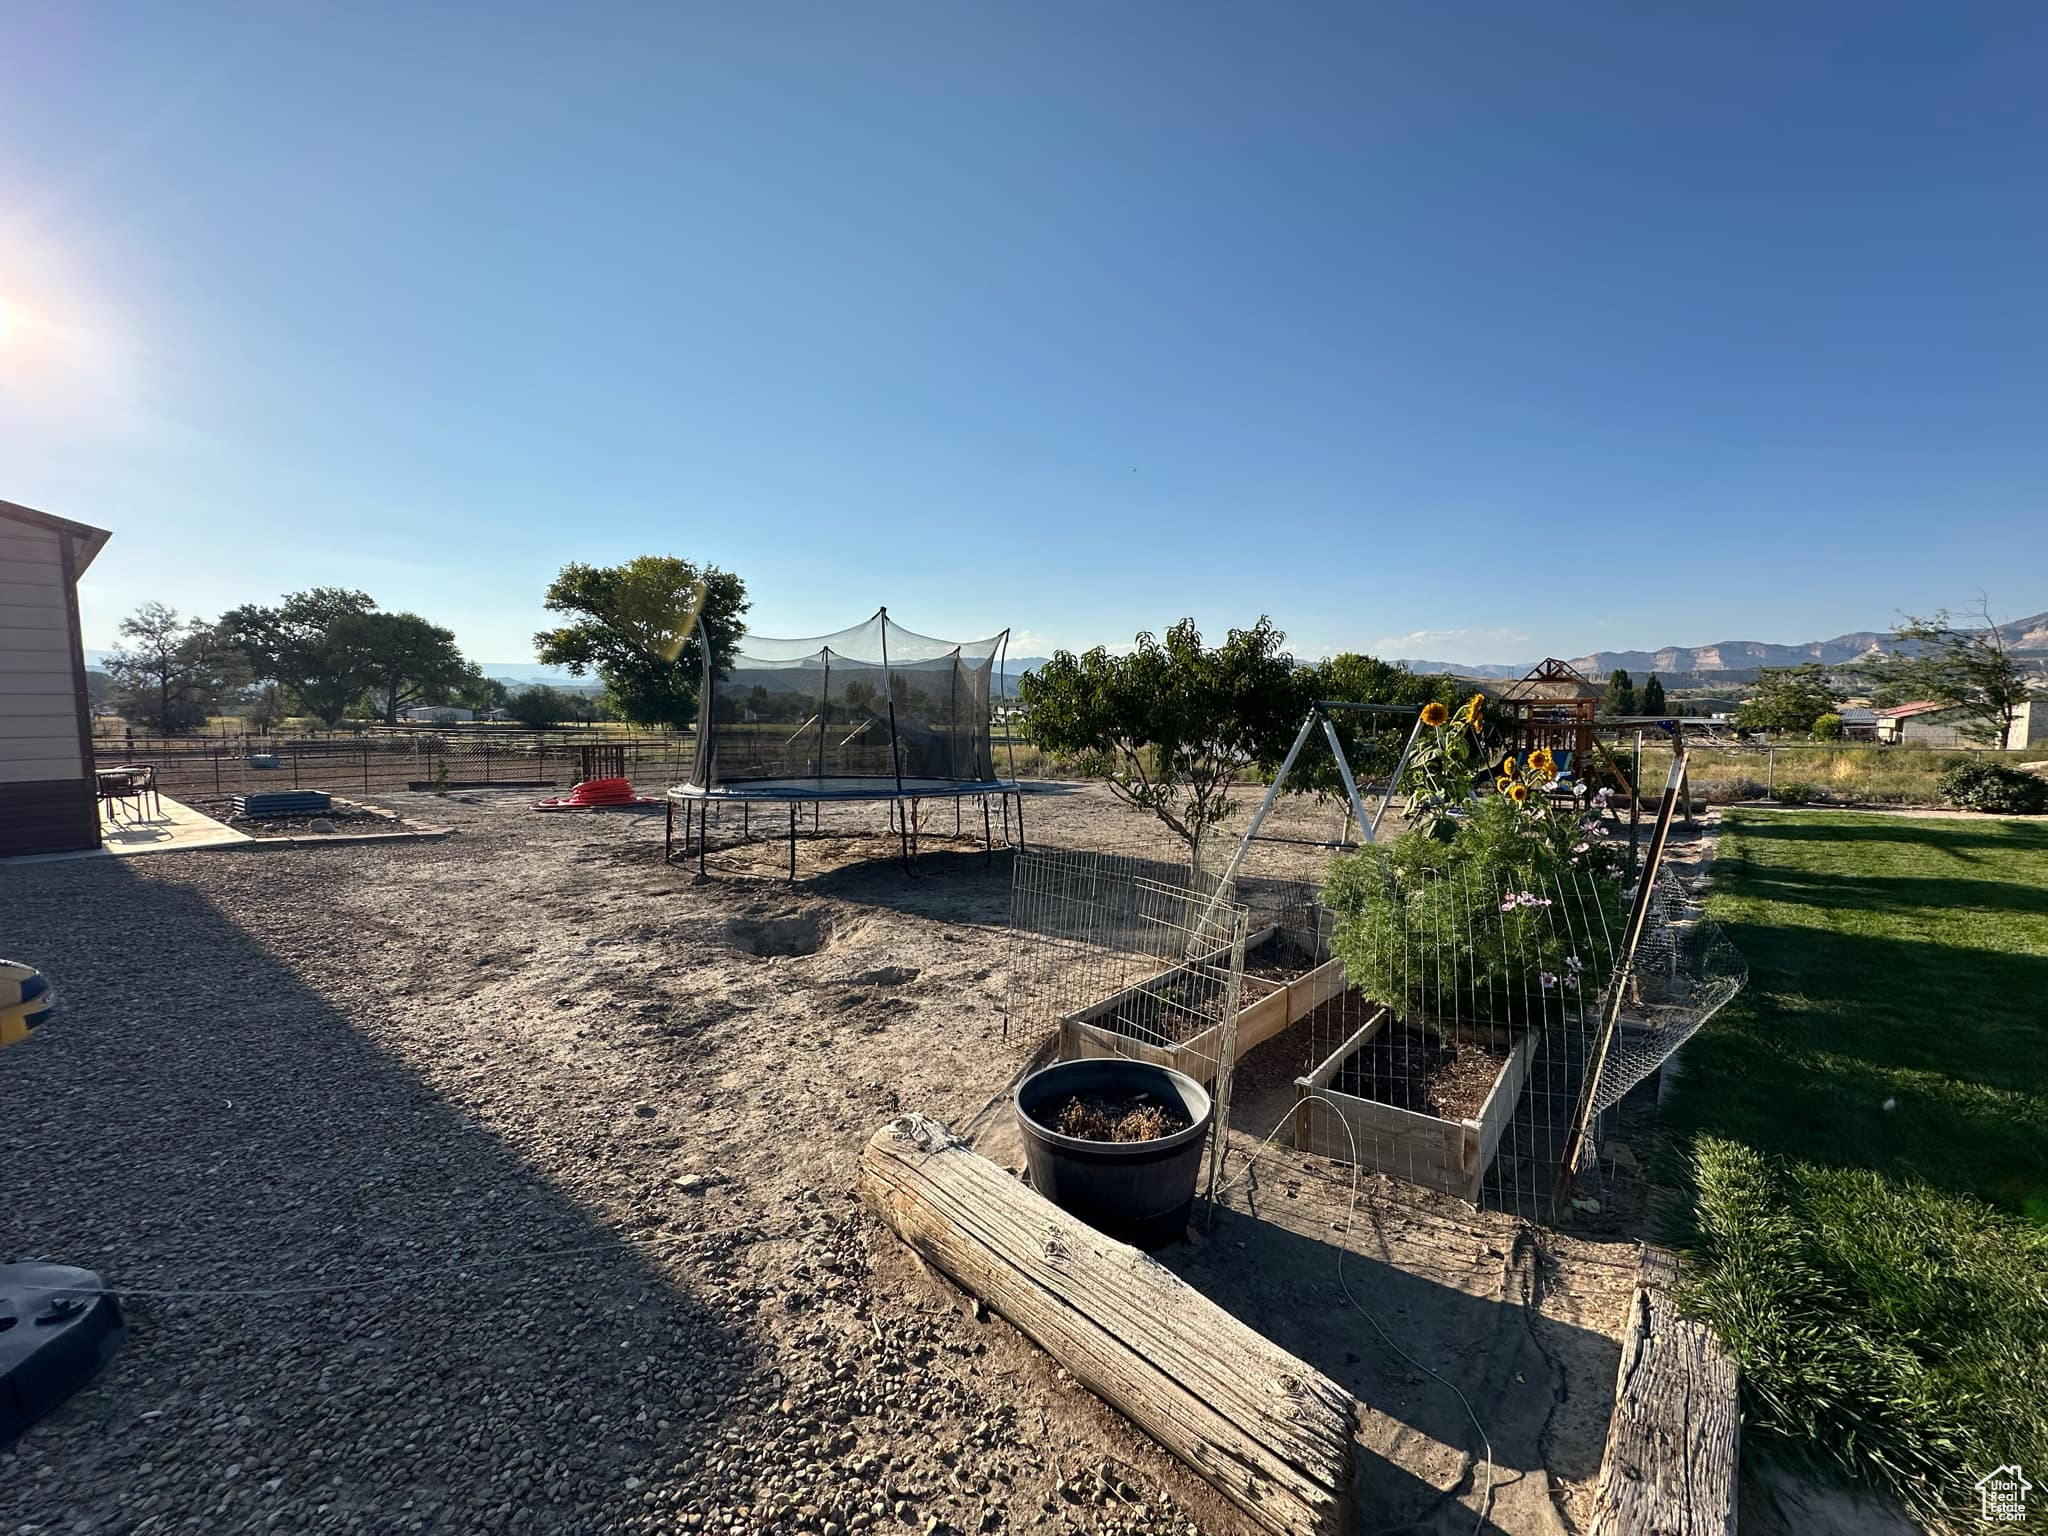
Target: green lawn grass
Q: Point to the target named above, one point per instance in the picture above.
(1865, 1135)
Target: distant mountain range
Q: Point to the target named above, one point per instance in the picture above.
(1738, 660)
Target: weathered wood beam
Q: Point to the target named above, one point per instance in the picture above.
(1271, 1434)
(1674, 1442)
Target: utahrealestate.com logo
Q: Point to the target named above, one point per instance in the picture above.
(2004, 1491)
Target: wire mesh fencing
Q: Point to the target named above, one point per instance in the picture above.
(1129, 957)
(1459, 1030)
(201, 768)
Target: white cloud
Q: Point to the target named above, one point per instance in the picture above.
(1499, 645)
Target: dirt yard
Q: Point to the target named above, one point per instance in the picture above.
(338, 1098)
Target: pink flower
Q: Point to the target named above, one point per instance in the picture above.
(1549, 981)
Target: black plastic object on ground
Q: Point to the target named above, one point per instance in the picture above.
(1139, 1191)
(56, 1331)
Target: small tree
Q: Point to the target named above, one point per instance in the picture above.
(1170, 725)
(1620, 697)
(540, 706)
(1966, 666)
(171, 674)
(480, 693)
(1828, 727)
(263, 708)
(1787, 699)
(1652, 700)
(637, 630)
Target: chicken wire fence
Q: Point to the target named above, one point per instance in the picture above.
(1457, 1031)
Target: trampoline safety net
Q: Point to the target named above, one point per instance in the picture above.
(869, 704)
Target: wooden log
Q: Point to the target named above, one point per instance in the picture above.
(1271, 1434)
(1673, 1444)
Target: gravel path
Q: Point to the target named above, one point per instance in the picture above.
(309, 1068)
(561, 1144)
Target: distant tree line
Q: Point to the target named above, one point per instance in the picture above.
(332, 654)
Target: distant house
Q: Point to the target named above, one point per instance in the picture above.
(435, 714)
(1932, 724)
(49, 801)
(1859, 723)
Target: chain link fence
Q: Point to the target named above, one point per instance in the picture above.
(205, 768)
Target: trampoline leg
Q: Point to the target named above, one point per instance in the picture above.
(668, 836)
(792, 840)
(988, 835)
(903, 832)
(1020, 818)
(1005, 798)
(747, 819)
(703, 836)
(956, 816)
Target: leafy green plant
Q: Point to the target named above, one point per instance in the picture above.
(1828, 727)
(1500, 918)
(1796, 792)
(1449, 760)
(1974, 785)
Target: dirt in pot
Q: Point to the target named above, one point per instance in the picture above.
(1135, 1117)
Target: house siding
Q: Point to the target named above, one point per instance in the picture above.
(47, 799)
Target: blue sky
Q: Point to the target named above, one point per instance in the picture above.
(1474, 331)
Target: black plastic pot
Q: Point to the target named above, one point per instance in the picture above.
(1140, 1192)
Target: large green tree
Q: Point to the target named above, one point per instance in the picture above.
(635, 626)
(171, 674)
(412, 662)
(1965, 664)
(1171, 724)
(318, 645)
(1788, 699)
(1651, 700)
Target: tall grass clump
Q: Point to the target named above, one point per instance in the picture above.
(1894, 1331)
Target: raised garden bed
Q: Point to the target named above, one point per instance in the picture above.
(1418, 1106)
(1163, 1018)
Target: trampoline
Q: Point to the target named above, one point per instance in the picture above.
(872, 714)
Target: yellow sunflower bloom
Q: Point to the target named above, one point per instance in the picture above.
(1507, 765)
(1471, 711)
(1503, 784)
(1518, 793)
(1542, 761)
(1434, 714)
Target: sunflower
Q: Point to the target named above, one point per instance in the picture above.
(1518, 793)
(1541, 760)
(1434, 713)
(1470, 714)
(1503, 783)
(1507, 765)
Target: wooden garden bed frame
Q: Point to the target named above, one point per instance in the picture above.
(1447, 1155)
(1265, 1008)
